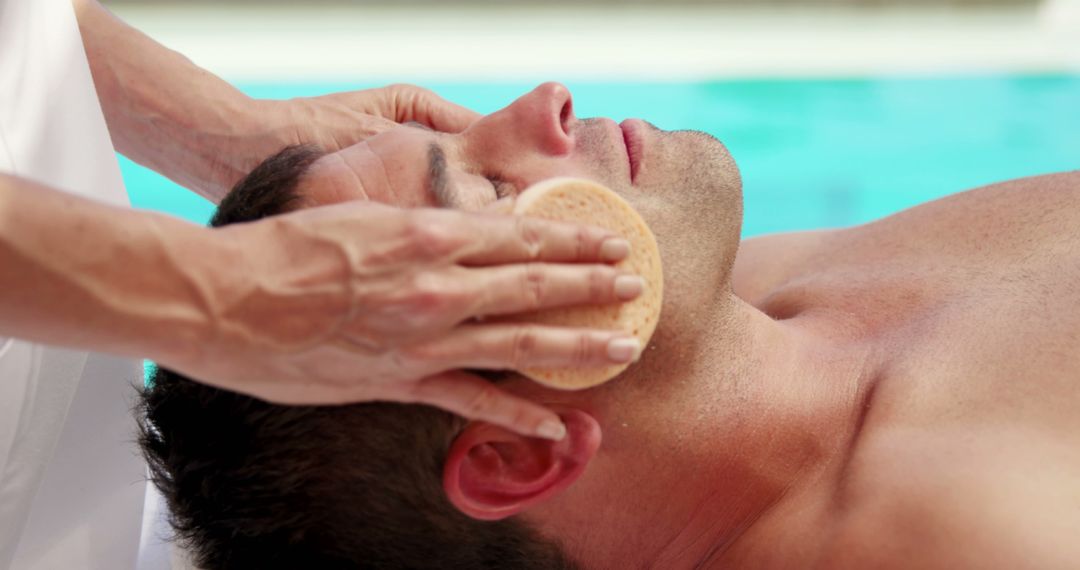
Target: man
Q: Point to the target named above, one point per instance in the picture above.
(896, 395)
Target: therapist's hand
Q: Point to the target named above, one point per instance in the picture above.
(363, 301)
(331, 122)
(339, 120)
(168, 114)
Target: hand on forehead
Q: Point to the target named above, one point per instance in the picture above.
(408, 166)
(390, 167)
(499, 155)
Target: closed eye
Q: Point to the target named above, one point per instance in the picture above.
(501, 187)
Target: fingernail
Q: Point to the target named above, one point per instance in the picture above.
(614, 249)
(628, 286)
(623, 349)
(551, 429)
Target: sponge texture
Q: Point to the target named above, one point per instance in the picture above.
(582, 201)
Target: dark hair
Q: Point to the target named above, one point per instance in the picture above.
(254, 485)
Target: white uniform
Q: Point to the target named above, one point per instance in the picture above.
(72, 485)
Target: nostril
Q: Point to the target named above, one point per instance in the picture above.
(565, 114)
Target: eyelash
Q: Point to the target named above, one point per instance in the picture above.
(499, 185)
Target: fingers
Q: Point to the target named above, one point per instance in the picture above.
(427, 304)
(477, 239)
(413, 103)
(477, 399)
(524, 287)
(499, 239)
(519, 346)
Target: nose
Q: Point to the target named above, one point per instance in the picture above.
(545, 116)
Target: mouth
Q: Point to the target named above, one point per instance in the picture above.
(635, 145)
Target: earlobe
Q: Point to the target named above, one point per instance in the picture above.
(492, 473)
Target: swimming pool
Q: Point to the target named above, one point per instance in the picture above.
(813, 153)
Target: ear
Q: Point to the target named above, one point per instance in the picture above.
(492, 473)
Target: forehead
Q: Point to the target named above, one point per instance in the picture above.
(391, 167)
(404, 148)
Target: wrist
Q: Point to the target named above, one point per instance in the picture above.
(210, 268)
(96, 277)
(168, 114)
(212, 150)
(248, 132)
(199, 146)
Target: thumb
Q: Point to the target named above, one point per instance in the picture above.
(475, 398)
(425, 107)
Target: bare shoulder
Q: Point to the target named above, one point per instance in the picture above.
(1010, 224)
(1005, 220)
(1012, 510)
(971, 455)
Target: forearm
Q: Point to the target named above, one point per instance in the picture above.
(77, 273)
(168, 114)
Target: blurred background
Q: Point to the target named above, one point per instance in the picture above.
(837, 111)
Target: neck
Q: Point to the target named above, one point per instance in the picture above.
(802, 383)
(763, 412)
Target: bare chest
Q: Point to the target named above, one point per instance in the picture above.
(970, 455)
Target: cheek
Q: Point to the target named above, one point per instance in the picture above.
(471, 193)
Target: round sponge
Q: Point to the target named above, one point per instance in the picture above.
(582, 201)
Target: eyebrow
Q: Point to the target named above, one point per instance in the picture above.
(438, 181)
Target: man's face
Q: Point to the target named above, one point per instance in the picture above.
(684, 184)
(686, 187)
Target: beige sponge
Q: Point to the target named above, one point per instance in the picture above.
(582, 201)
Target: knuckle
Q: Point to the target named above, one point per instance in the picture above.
(425, 300)
(414, 226)
(426, 389)
(407, 88)
(600, 283)
(523, 346)
(582, 351)
(530, 232)
(483, 402)
(429, 235)
(533, 285)
(400, 93)
(423, 284)
(583, 240)
(415, 357)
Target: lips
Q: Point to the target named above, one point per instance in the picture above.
(632, 137)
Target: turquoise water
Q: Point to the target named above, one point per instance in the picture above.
(813, 153)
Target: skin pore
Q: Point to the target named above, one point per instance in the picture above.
(763, 424)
